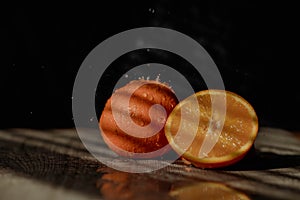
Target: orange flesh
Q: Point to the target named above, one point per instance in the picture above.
(239, 130)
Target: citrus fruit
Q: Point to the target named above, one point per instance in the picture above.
(207, 190)
(212, 128)
(132, 122)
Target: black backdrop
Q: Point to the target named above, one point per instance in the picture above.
(44, 46)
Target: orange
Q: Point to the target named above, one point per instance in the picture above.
(196, 133)
(137, 135)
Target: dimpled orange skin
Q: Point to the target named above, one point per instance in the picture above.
(153, 92)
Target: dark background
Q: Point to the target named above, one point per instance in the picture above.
(44, 46)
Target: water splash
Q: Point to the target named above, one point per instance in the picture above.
(158, 78)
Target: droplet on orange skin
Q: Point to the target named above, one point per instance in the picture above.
(143, 98)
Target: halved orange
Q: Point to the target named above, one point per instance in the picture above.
(194, 128)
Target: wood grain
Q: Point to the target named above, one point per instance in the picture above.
(54, 164)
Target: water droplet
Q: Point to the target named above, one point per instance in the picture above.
(218, 124)
(150, 98)
(126, 75)
(161, 120)
(158, 77)
(151, 10)
(223, 145)
(148, 77)
(234, 144)
(204, 154)
(91, 119)
(145, 94)
(30, 112)
(72, 98)
(142, 123)
(133, 108)
(148, 50)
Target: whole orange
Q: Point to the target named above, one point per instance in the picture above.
(125, 125)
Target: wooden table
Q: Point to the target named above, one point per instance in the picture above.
(53, 164)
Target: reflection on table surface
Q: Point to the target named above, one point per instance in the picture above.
(122, 185)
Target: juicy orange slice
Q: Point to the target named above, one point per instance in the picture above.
(212, 128)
